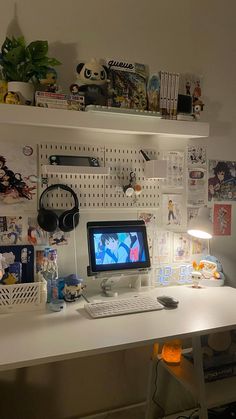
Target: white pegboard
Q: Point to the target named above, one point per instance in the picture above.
(89, 188)
(123, 160)
(96, 191)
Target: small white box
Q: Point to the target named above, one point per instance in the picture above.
(155, 169)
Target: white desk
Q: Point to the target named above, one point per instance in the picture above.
(32, 338)
(39, 337)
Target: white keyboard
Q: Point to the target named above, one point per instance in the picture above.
(121, 306)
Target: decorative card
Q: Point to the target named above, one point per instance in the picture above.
(172, 209)
(222, 219)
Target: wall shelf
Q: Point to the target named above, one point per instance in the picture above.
(101, 121)
(48, 169)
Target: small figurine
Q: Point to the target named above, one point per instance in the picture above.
(197, 108)
(73, 288)
(92, 81)
(12, 98)
(48, 83)
(197, 274)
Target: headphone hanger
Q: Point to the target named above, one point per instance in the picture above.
(49, 220)
(58, 186)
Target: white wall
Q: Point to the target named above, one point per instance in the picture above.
(182, 36)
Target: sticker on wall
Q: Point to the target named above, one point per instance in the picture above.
(196, 155)
(181, 251)
(175, 169)
(58, 238)
(12, 230)
(18, 177)
(172, 209)
(221, 180)
(222, 219)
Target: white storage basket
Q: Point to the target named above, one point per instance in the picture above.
(23, 297)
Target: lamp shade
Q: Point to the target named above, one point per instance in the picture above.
(201, 226)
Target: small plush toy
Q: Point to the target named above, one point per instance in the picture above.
(92, 81)
(217, 272)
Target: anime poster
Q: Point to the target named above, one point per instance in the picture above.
(172, 209)
(58, 238)
(181, 252)
(199, 246)
(222, 219)
(18, 176)
(36, 235)
(12, 230)
(196, 155)
(162, 247)
(175, 169)
(221, 180)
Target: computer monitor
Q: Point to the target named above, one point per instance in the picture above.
(117, 245)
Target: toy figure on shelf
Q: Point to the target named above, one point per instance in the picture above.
(197, 273)
(197, 108)
(49, 82)
(92, 81)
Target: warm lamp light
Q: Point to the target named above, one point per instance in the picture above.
(201, 226)
(171, 352)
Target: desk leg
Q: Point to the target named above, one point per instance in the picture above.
(199, 374)
(154, 355)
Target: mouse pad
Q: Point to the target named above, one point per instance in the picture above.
(24, 255)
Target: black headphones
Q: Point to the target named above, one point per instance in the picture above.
(48, 220)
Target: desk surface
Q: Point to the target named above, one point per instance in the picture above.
(32, 338)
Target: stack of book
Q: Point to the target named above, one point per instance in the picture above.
(217, 367)
(60, 101)
(169, 89)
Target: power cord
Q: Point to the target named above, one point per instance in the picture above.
(155, 391)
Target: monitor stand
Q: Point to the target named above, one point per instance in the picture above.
(138, 280)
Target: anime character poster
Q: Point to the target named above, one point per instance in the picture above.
(18, 176)
(12, 230)
(221, 180)
(199, 246)
(172, 209)
(181, 252)
(222, 219)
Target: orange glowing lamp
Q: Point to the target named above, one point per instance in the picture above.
(171, 352)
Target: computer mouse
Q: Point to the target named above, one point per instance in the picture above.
(167, 301)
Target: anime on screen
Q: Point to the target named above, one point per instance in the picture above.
(115, 247)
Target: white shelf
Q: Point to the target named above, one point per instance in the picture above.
(82, 170)
(218, 392)
(100, 121)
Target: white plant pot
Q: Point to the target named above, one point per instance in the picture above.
(24, 90)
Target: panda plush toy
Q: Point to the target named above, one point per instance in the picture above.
(92, 81)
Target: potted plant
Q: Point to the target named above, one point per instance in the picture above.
(23, 65)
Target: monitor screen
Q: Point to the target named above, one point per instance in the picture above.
(117, 245)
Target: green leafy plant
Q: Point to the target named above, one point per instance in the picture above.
(20, 62)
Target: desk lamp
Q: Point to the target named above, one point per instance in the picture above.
(201, 226)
